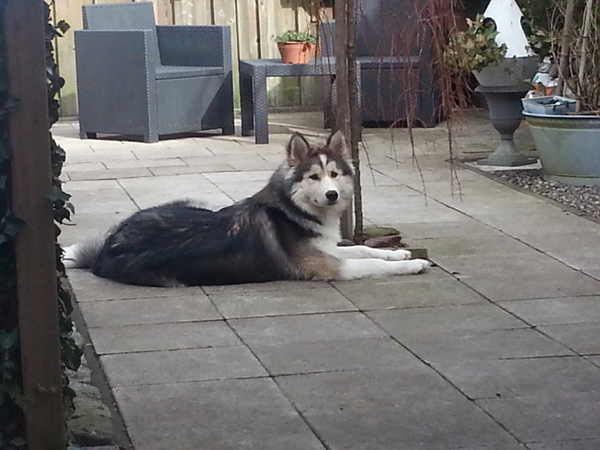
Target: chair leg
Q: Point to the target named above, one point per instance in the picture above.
(86, 135)
(151, 138)
(229, 128)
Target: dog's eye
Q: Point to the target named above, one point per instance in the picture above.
(334, 174)
(315, 177)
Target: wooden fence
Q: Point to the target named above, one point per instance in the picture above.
(254, 25)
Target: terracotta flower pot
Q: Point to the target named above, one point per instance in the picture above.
(296, 52)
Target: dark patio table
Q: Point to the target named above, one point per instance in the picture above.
(253, 88)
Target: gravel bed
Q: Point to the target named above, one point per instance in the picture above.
(584, 199)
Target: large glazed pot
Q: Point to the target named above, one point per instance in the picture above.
(509, 72)
(568, 147)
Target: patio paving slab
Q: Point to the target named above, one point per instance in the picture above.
(89, 288)
(390, 408)
(141, 311)
(181, 366)
(583, 338)
(394, 293)
(532, 285)
(552, 311)
(278, 303)
(226, 415)
(506, 378)
(161, 336)
(306, 328)
(576, 444)
(547, 417)
(289, 358)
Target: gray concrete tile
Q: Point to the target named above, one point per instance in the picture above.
(102, 201)
(148, 310)
(576, 444)
(584, 338)
(88, 287)
(180, 366)
(239, 176)
(559, 283)
(337, 355)
(146, 162)
(390, 408)
(397, 292)
(308, 328)
(553, 311)
(190, 169)
(507, 378)
(220, 415)
(486, 245)
(507, 266)
(121, 174)
(161, 336)
(263, 287)
(278, 303)
(545, 418)
(594, 360)
(482, 346)
(416, 322)
(466, 226)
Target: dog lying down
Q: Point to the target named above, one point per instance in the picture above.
(287, 231)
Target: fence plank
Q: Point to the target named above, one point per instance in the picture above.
(69, 11)
(225, 13)
(275, 17)
(35, 254)
(192, 12)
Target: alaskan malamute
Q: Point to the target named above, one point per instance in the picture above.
(287, 231)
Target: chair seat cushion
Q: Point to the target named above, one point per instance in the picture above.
(170, 72)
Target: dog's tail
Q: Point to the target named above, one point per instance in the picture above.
(82, 255)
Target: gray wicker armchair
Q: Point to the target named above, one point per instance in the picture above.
(136, 78)
(396, 64)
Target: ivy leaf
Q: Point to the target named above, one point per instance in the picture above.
(57, 194)
(8, 339)
(9, 228)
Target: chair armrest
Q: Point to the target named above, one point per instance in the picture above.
(193, 45)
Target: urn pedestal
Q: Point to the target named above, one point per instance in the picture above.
(506, 114)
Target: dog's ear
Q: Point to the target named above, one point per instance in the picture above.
(337, 144)
(297, 149)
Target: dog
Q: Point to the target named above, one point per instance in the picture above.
(289, 230)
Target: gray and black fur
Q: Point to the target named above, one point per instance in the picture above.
(269, 236)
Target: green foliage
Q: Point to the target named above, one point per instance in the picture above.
(296, 36)
(475, 47)
(11, 396)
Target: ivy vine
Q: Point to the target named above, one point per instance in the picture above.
(11, 395)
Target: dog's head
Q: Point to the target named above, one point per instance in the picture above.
(322, 175)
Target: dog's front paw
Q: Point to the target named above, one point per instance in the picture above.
(397, 255)
(420, 265)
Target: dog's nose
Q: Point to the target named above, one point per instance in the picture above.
(332, 196)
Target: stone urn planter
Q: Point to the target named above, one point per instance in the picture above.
(568, 146)
(504, 85)
(510, 72)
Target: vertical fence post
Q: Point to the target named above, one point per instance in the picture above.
(35, 254)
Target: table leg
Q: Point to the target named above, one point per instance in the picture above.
(261, 124)
(247, 105)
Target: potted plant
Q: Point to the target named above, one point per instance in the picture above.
(296, 47)
(567, 142)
